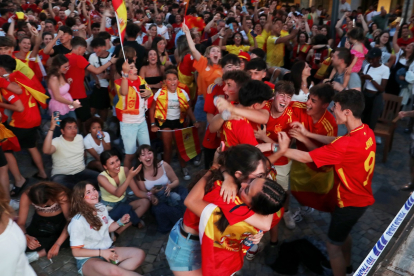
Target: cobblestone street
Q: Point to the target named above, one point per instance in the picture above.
(388, 178)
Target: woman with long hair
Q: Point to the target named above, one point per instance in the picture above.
(159, 44)
(12, 242)
(185, 66)
(151, 34)
(58, 88)
(301, 78)
(256, 200)
(47, 231)
(301, 49)
(159, 181)
(89, 236)
(114, 181)
(383, 42)
(324, 30)
(152, 70)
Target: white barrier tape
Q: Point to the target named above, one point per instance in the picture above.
(379, 247)
(172, 130)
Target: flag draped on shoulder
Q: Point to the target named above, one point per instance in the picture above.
(121, 14)
(188, 143)
(33, 86)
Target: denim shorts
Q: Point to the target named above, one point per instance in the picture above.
(81, 262)
(182, 253)
(199, 113)
(131, 133)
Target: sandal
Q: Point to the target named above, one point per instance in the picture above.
(36, 175)
(15, 192)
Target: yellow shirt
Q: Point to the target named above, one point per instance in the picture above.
(261, 39)
(22, 67)
(233, 49)
(108, 196)
(275, 52)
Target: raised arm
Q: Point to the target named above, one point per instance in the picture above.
(395, 38)
(48, 148)
(48, 50)
(268, 25)
(338, 25)
(364, 24)
(196, 54)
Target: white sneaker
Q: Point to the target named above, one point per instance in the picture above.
(289, 221)
(186, 174)
(197, 160)
(306, 210)
(250, 255)
(14, 204)
(32, 256)
(297, 216)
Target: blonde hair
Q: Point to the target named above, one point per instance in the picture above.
(207, 54)
(4, 204)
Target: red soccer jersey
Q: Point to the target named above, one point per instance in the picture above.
(58, 19)
(186, 66)
(30, 117)
(276, 125)
(353, 157)
(236, 132)
(10, 98)
(43, 57)
(76, 72)
(271, 85)
(211, 140)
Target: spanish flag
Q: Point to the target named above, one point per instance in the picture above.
(8, 140)
(121, 14)
(188, 143)
(33, 86)
(195, 22)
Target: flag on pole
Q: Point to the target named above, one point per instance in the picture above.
(188, 143)
(121, 20)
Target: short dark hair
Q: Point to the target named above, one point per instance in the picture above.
(8, 63)
(6, 41)
(95, 25)
(98, 42)
(258, 52)
(68, 120)
(78, 41)
(256, 64)
(284, 87)
(132, 30)
(254, 91)
(93, 120)
(170, 71)
(356, 33)
(51, 21)
(119, 62)
(70, 22)
(238, 76)
(345, 54)
(104, 35)
(351, 99)
(66, 30)
(323, 91)
(229, 59)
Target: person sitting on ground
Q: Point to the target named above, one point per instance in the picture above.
(47, 231)
(67, 150)
(95, 143)
(114, 181)
(162, 185)
(89, 237)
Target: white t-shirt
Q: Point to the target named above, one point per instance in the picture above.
(377, 74)
(161, 30)
(173, 110)
(344, 6)
(82, 235)
(68, 158)
(302, 97)
(12, 247)
(136, 119)
(98, 62)
(89, 143)
(140, 38)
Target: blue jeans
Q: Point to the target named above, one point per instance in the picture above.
(199, 113)
(70, 180)
(133, 133)
(116, 210)
(183, 254)
(172, 200)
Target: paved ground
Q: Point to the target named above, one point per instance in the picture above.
(388, 178)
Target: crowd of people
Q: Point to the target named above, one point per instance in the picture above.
(281, 109)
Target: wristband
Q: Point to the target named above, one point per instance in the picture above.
(120, 223)
(124, 75)
(275, 147)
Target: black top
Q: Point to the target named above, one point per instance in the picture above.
(60, 49)
(140, 50)
(153, 80)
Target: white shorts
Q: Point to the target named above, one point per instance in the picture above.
(283, 175)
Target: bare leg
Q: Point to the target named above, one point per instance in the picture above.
(167, 141)
(130, 258)
(4, 180)
(123, 228)
(202, 130)
(128, 160)
(287, 201)
(274, 233)
(99, 267)
(14, 169)
(42, 253)
(346, 250)
(337, 259)
(140, 206)
(37, 159)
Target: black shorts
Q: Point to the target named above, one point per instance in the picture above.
(342, 221)
(3, 160)
(99, 98)
(172, 124)
(83, 113)
(27, 136)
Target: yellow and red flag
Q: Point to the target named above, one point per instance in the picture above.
(33, 86)
(188, 143)
(194, 22)
(8, 141)
(121, 16)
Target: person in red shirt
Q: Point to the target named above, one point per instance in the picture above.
(253, 95)
(76, 75)
(404, 40)
(211, 141)
(353, 158)
(257, 69)
(4, 16)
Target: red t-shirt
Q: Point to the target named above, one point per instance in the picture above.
(276, 125)
(12, 98)
(236, 132)
(402, 43)
(112, 31)
(43, 57)
(2, 21)
(211, 140)
(76, 72)
(30, 117)
(58, 19)
(34, 8)
(186, 66)
(353, 157)
(271, 85)
(177, 27)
